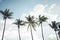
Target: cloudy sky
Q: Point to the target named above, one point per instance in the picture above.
(22, 8)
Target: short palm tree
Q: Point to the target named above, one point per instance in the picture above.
(54, 26)
(42, 19)
(6, 15)
(31, 24)
(19, 23)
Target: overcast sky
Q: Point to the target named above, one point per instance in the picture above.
(22, 8)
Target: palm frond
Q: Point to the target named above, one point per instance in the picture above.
(10, 14)
(15, 23)
(33, 26)
(58, 23)
(31, 21)
(42, 19)
(39, 24)
(2, 12)
(50, 25)
(54, 26)
(19, 22)
(10, 17)
(6, 14)
(28, 27)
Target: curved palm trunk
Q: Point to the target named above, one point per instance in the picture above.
(19, 32)
(4, 29)
(31, 33)
(56, 35)
(42, 31)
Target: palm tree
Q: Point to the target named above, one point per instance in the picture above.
(54, 26)
(31, 24)
(58, 25)
(41, 19)
(19, 23)
(59, 31)
(6, 15)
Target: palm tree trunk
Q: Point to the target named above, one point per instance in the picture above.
(42, 31)
(56, 35)
(19, 32)
(31, 33)
(4, 29)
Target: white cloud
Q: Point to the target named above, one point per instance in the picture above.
(51, 7)
(7, 21)
(38, 9)
(52, 37)
(11, 34)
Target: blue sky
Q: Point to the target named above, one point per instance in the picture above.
(22, 8)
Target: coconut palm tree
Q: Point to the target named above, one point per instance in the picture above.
(41, 19)
(19, 23)
(58, 25)
(31, 24)
(54, 26)
(59, 31)
(6, 15)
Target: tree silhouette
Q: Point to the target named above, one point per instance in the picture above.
(54, 26)
(19, 23)
(58, 25)
(41, 19)
(31, 24)
(6, 15)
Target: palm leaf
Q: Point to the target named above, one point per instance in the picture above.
(19, 22)
(31, 21)
(6, 14)
(28, 27)
(2, 12)
(33, 26)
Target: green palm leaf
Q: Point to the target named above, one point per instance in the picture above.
(31, 23)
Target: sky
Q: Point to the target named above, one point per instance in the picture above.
(22, 8)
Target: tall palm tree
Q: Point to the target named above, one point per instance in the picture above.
(42, 19)
(6, 15)
(19, 23)
(54, 26)
(31, 24)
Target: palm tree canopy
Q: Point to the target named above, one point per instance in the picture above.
(42, 19)
(31, 21)
(19, 22)
(58, 24)
(6, 14)
(54, 25)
